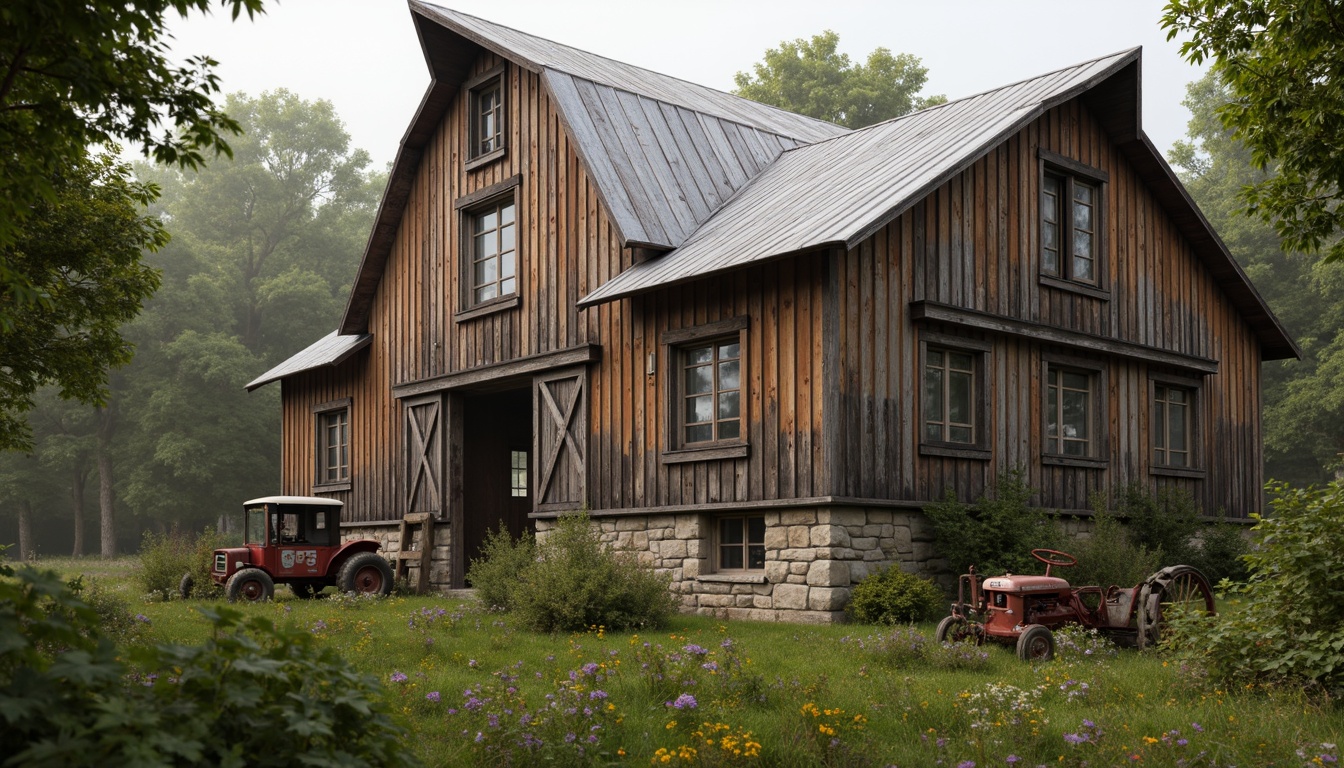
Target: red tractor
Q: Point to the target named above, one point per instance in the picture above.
(1025, 610)
(296, 540)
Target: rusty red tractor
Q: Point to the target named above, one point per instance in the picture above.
(296, 540)
(1025, 611)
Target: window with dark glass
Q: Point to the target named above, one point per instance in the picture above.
(1172, 426)
(1068, 412)
(949, 396)
(742, 543)
(494, 253)
(487, 117)
(711, 392)
(333, 450)
(1069, 225)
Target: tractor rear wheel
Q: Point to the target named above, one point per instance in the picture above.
(251, 584)
(1036, 643)
(1176, 589)
(954, 629)
(367, 574)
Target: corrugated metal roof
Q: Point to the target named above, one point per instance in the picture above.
(539, 53)
(331, 349)
(837, 192)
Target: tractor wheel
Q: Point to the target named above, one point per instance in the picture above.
(185, 586)
(1036, 643)
(303, 590)
(1176, 588)
(251, 584)
(953, 629)
(367, 574)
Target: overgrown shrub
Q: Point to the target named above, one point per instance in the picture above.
(1165, 522)
(165, 557)
(495, 574)
(1110, 556)
(1285, 621)
(571, 581)
(995, 534)
(1222, 547)
(254, 694)
(116, 620)
(892, 596)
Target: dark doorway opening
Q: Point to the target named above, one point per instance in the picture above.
(497, 466)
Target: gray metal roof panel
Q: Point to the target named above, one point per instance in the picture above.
(331, 349)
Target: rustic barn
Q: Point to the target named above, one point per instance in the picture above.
(752, 344)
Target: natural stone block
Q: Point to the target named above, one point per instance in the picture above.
(790, 597)
(799, 569)
(776, 538)
(744, 601)
(830, 536)
(763, 601)
(713, 588)
(864, 543)
(828, 573)
(845, 517)
(904, 540)
(715, 601)
(802, 579)
(688, 527)
(672, 548)
(776, 571)
(805, 555)
(662, 521)
(800, 536)
(798, 517)
(692, 567)
(827, 599)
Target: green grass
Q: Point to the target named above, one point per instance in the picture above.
(1136, 700)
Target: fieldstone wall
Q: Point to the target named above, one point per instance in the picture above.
(813, 559)
(389, 539)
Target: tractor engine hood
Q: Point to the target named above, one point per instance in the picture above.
(1026, 584)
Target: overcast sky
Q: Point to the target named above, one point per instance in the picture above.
(363, 55)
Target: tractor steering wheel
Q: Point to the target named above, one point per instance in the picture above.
(1054, 557)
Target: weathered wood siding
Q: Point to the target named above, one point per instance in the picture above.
(973, 244)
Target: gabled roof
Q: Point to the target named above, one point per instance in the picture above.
(332, 349)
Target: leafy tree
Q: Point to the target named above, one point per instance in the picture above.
(1283, 64)
(80, 251)
(811, 78)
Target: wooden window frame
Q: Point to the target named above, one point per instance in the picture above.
(745, 546)
(1194, 434)
(979, 351)
(674, 343)
(515, 490)
(1072, 172)
(1098, 441)
(321, 468)
(488, 82)
(469, 207)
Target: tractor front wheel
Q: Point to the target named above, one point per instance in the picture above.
(251, 584)
(1036, 643)
(954, 629)
(367, 574)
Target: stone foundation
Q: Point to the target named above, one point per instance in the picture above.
(389, 541)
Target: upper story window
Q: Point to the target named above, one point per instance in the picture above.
(1171, 425)
(706, 391)
(333, 443)
(1071, 222)
(489, 257)
(952, 397)
(1070, 412)
(486, 118)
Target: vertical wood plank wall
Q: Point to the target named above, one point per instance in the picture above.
(972, 243)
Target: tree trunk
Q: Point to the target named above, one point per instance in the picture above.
(27, 549)
(107, 522)
(77, 502)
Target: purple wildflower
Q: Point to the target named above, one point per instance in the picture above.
(398, 677)
(597, 695)
(966, 764)
(695, 649)
(1012, 759)
(590, 668)
(433, 696)
(711, 666)
(1075, 738)
(684, 701)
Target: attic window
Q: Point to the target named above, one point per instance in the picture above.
(1072, 224)
(486, 118)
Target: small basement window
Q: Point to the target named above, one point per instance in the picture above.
(742, 543)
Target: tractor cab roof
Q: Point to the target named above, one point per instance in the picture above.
(307, 501)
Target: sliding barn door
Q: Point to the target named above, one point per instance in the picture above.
(560, 410)
(424, 454)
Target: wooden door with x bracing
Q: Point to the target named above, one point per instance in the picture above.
(424, 454)
(560, 411)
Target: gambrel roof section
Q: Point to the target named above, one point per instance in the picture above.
(838, 192)
(663, 153)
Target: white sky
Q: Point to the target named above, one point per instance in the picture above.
(364, 57)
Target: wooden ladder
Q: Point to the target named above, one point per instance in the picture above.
(409, 555)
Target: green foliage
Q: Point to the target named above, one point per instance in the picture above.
(494, 575)
(1109, 555)
(1164, 523)
(892, 596)
(116, 620)
(1286, 622)
(570, 581)
(811, 78)
(165, 557)
(1223, 547)
(1282, 63)
(252, 694)
(995, 534)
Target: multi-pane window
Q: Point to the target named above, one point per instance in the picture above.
(1070, 246)
(742, 543)
(333, 434)
(494, 251)
(487, 117)
(518, 473)
(1068, 412)
(949, 396)
(711, 396)
(1171, 425)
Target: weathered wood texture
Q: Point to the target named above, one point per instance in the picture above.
(972, 244)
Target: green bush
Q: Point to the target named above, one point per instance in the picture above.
(1109, 556)
(252, 695)
(116, 620)
(1222, 550)
(1286, 621)
(892, 596)
(571, 581)
(995, 534)
(165, 557)
(1165, 522)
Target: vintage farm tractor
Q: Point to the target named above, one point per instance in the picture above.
(296, 540)
(1026, 610)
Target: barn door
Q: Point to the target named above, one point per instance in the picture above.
(424, 454)
(560, 437)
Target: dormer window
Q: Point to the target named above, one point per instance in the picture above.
(486, 118)
(1072, 247)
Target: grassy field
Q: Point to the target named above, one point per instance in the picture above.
(471, 688)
